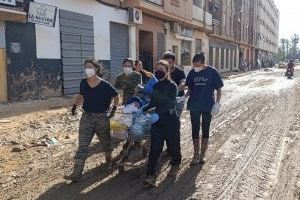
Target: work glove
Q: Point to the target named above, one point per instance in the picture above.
(215, 109)
(139, 112)
(154, 118)
(180, 99)
(73, 110)
(112, 112)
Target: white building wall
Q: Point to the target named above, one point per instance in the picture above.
(48, 38)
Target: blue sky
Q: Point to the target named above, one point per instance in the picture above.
(289, 17)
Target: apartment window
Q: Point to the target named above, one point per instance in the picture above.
(175, 51)
(198, 45)
(211, 56)
(185, 53)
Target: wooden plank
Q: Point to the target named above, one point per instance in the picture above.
(3, 76)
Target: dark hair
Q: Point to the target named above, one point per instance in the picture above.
(137, 62)
(95, 64)
(199, 57)
(169, 55)
(128, 60)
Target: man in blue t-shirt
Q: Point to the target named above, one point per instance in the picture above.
(202, 81)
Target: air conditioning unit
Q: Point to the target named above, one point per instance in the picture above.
(135, 16)
(175, 27)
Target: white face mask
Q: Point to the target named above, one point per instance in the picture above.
(198, 69)
(127, 70)
(90, 72)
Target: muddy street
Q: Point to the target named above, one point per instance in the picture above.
(254, 151)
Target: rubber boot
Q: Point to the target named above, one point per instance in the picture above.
(149, 181)
(174, 171)
(108, 161)
(77, 171)
(204, 146)
(196, 157)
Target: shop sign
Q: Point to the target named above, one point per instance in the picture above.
(42, 14)
(8, 2)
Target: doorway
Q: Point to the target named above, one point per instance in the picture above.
(146, 49)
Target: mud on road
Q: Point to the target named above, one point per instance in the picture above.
(254, 152)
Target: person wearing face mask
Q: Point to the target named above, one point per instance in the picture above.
(96, 96)
(128, 80)
(167, 128)
(178, 76)
(202, 81)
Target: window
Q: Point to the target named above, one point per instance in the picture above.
(185, 53)
(198, 45)
(175, 51)
(211, 56)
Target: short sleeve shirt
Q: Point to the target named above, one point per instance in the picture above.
(97, 99)
(202, 86)
(177, 75)
(128, 84)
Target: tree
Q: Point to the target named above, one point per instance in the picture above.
(289, 49)
(281, 52)
(294, 46)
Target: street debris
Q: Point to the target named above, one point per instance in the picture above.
(248, 157)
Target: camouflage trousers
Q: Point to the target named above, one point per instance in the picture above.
(91, 124)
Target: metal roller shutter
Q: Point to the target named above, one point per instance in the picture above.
(119, 47)
(77, 44)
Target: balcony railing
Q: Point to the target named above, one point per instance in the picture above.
(208, 19)
(215, 22)
(198, 13)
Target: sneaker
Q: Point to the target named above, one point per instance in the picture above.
(76, 175)
(149, 181)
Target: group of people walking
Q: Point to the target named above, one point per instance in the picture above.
(170, 90)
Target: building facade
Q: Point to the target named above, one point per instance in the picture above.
(10, 11)
(40, 61)
(267, 32)
(170, 25)
(223, 45)
(47, 61)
